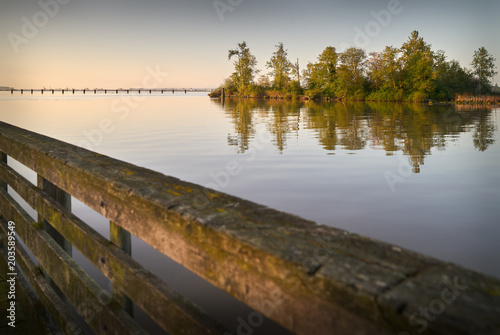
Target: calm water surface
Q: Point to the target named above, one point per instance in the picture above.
(426, 178)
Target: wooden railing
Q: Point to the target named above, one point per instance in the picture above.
(311, 279)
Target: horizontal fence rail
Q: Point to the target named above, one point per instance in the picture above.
(311, 279)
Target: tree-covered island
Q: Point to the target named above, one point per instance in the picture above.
(412, 72)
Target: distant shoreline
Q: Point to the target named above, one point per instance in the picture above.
(5, 88)
(461, 100)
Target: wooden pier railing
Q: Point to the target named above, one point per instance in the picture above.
(311, 279)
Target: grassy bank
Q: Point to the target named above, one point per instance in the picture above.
(270, 94)
(477, 99)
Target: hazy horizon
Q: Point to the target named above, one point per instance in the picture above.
(111, 43)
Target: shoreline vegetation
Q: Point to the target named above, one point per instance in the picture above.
(459, 99)
(411, 73)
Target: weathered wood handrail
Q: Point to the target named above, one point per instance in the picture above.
(311, 279)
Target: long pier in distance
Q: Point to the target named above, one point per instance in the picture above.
(109, 90)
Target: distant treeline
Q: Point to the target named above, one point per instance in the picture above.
(413, 72)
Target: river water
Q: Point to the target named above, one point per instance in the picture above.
(422, 177)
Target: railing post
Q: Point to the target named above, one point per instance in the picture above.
(122, 239)
(3, 158)
(65, 200)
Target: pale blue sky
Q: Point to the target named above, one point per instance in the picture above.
(110, 43)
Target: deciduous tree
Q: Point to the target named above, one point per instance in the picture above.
(244, 65)
(280, 67)
(483, 65)
(350, 79)
(323, 73)
(417, 68)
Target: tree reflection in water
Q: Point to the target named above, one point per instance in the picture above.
(413, 129)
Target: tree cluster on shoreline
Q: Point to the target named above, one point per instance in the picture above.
(413, 72)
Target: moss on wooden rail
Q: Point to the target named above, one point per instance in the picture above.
(74, 283)
(164, 305)
(47, 297)
(309, 278)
